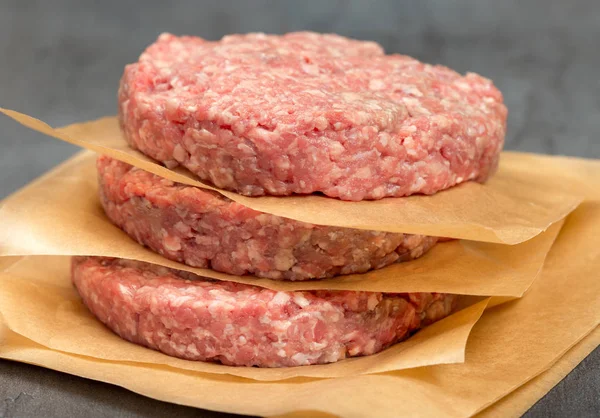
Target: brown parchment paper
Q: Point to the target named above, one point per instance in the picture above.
(518, 203)
(60, 214)
(511, 344)
(519, 401)
(43, 306)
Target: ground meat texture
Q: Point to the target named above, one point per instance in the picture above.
(205, 229)
(190, 317)
(305, 112)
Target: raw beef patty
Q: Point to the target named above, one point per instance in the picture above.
(205, 229)
(190, 317)
(304, 112)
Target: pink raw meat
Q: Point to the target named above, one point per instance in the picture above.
(304, 112)
(205, 229)
(190, 317)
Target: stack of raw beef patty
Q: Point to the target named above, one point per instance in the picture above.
(278, 115)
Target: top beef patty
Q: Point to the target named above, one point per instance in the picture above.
(305, 112)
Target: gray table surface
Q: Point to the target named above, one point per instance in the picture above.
(62, 59)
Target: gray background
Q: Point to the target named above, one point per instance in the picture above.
(62, 59)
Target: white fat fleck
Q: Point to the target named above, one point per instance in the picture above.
(315, 92)
(242, 340)
(463, 85)
(284, 259)
(350, 96)
(124, 290)
(216, 307)
(314, 346)
(335, 317)
(411, 151)
(370, 347)
(281, 353)
(354, 350)
(321, 123)
(441, 121)
(245, 148)
(143, 106)
(412, 90)
(314, 315)
(203, 134)
(172, 243)
(253, 252)
(384, 138)
(300, 300)
(171, 104)
(94, 297)
(372, 302)
(300, 358)
(376, 84)
(179, 301)
(418, 184)
(310, 69)
(263, 219)
(336, 149)
(283, 164)
(183, 228)
(191, 348)
(350, 336)
(282, 326)
(378, 192)
(362, 117)
(363, 173)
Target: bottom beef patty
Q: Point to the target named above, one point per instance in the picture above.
(187, 316)
(205, 229)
